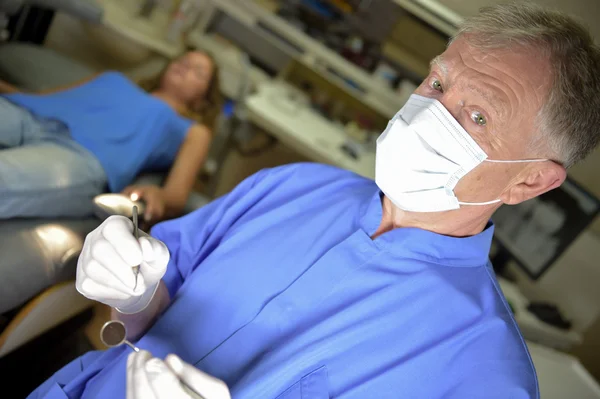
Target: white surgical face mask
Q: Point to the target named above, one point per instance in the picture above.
(421, 156)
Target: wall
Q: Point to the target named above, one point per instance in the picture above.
(100, 49)
(586, 174)
(68, 36)
(589, 352)
(587, 10)
(571, 282)
(237, 167)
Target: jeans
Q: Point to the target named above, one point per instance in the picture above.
(43, 171)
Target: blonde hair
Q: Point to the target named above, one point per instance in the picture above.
(213, 99)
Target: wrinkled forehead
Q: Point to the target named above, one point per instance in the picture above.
(505, 78)
(525, 65)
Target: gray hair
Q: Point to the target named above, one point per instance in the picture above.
(569, 120)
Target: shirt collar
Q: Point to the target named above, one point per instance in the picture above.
(424, 244)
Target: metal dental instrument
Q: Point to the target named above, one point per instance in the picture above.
(113, 333)
(136, 269)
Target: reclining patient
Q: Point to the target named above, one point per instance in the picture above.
(59, 150)
(307, 281)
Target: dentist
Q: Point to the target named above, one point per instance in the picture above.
(308, 281)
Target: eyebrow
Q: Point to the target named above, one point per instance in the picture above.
(493, 100)
(486, 95)
(439, 62)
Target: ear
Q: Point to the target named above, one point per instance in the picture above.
(540, 178)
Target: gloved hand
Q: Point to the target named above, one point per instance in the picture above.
(151, 378)
(104, 268)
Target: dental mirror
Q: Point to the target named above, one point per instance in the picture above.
(113, 333)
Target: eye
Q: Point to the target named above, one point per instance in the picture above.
(478, 118)
(437, 85)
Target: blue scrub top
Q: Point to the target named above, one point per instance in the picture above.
(126, 129)
(279, 290)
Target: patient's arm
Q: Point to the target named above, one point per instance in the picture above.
(7, 88)
(184, 171)
(168, 201)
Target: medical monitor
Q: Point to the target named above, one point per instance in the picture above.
(536, 232)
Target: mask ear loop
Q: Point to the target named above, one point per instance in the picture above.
(479, 203)
(516, 161)
(500, 161)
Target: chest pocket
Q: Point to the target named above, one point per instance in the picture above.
(311, 386)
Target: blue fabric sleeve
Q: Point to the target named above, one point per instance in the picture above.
(52, 388)
(181, 126)
(193, 237)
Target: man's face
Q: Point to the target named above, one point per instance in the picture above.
(496, 96)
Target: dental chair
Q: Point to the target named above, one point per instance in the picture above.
(39, 256)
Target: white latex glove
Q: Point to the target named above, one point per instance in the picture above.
(151, 378)
(104, 268)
